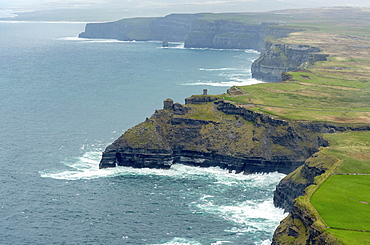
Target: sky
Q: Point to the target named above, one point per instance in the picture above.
(137, 8)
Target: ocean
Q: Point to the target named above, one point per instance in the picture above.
(64, 99)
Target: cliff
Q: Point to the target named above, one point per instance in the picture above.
(228, 34)
(304, 224)
(218, 32)
(173, 28)
(269, 127)
(280, 58)
(196, 30)
(208, 131)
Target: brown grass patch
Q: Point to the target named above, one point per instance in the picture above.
(330, 86)
(349, 119)
(364, 156)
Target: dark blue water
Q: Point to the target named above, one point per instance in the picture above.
(64, 99)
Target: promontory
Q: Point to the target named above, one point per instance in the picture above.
(310, 120)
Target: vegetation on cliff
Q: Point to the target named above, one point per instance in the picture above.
(334, 209)
(325, 90)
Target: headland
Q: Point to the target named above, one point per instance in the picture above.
(311, 121)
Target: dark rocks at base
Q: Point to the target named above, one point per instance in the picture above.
(161, 160)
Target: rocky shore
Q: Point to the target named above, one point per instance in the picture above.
(211, 131)
(233, 137)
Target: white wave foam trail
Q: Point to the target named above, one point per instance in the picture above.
(246, 216)
(219, 69)
(235, 82)
(178, 46)
(179, 241)
(251, 51)
(93, 40)
(87, 167)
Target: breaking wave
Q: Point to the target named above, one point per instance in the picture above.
(234, 82)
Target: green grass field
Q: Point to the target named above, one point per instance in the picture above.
(352, 237)
(353, 149)
(343, 201)
(311, 97)
(336, 91)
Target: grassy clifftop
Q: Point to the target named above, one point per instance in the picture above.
(334, 91)
(335, 209)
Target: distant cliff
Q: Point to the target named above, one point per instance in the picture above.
(201, 31)
(227, 34)
(173, 28)
(280, 58)
(196, 30)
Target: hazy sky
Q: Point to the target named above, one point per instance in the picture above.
(130, 8)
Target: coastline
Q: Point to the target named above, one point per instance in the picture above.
(299, 60)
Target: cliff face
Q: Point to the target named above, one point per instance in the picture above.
(192, 29)
(204, 133)
(174, 27)
(279, 58)
(198, 32)
(125, 30)
(225, 34)
(302, 226)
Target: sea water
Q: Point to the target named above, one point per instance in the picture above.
(64, 99)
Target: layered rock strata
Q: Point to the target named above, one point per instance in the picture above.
(280, 58)
(226, 34)
(230, 136)
(172, 28)
(302, 225)
(192, 29)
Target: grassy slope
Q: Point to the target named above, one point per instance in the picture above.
(343, 201)
(335, 91)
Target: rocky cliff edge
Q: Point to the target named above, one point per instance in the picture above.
(208, 131)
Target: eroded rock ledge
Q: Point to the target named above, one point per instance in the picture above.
(210, 132)
(302, 226)
(280, 58)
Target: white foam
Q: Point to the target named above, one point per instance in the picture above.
(71, 38)
(178, 46)
(219, 69)
(93, 40)
(179, 241)
(265, 242)
(107, 41)
(235, 82)
(251, 51)
(87, 167)
(248, 216)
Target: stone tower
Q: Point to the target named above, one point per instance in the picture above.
(168, 104)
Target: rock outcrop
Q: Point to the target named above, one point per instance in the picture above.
(280, 58)
(210, 132)
(302, 226)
